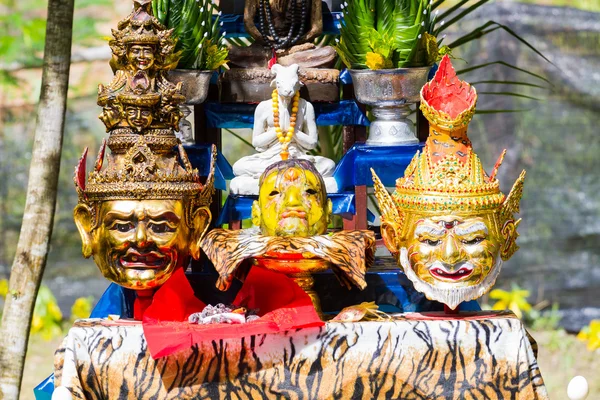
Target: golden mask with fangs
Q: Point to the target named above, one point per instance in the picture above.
(143, 209)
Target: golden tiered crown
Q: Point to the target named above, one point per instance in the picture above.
(143, 174)
(447, 176)
(147, 162)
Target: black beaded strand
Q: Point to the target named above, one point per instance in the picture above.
(269, 33)
(303, 16)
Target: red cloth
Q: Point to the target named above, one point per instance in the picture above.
(273, 60)
(281, 304)
(143, 300)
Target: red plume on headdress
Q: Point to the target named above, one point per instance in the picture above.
(100, 158)
(497, 166)
(80, 172)
(448, 104)
(447, 93)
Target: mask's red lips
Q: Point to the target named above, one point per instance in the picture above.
(293, 214)
(460, 274)
(137, 260)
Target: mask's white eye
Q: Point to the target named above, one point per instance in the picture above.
(473, 241)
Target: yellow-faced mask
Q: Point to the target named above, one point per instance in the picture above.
(292, 201)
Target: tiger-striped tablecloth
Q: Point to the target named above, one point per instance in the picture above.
(407, 358)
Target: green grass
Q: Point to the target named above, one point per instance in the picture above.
(561, 357)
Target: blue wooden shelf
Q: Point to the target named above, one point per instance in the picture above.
(389, 162)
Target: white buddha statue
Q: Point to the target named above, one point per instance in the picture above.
(284, 127)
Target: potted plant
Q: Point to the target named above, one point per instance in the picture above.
(389, 47)
(200, 44)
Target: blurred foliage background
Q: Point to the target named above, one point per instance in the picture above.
(554, 138)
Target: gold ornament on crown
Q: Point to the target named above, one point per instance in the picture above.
(141, 174)
(141, 27)
(447, 176)
(142, 54)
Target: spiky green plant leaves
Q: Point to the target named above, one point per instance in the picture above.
(215, 55)
(408, 17)
(198, 32)
(385, 25)
(412, 25)
(359, 21)
(383, 33)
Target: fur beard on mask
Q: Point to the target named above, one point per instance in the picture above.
(452, 297)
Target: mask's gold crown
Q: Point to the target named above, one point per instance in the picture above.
(140, 174)
(145, 170)
(448, 176)
(141, 112)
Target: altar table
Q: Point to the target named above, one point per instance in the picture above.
(489, 355)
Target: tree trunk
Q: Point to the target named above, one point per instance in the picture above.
(3, 197)
(34, 240)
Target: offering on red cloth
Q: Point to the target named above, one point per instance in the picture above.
(280, 302)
